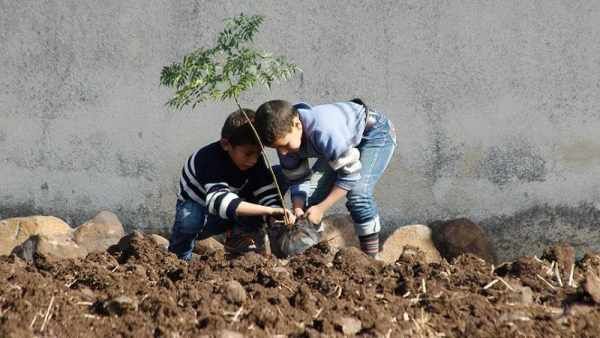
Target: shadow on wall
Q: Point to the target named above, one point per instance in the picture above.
(529, 231)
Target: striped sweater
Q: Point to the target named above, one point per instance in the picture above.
(211, 179)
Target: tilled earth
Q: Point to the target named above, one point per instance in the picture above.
(139, 290)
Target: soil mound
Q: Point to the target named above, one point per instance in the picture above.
(138, 289)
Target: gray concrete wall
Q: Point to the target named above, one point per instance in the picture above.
(496, 104)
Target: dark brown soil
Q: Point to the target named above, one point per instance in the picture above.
(142, 291)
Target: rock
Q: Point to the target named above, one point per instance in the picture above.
(208, 246)
(55, 247)
(339, 231)
(460, 236)
(120, 305)
(160, 240)
(99, 233)
(416, 235)
(349, 325)
(15, 231)
(234, 292)
(592, 286)
(522, 295)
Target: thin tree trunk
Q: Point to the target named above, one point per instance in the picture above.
(267, 162)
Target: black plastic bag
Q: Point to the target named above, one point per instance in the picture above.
(287, 242)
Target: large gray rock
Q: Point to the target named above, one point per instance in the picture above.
(99, 233)
(416, 235)
(57, 247)
(160, 240)
(15, 231)
(208, 246)
(339, 231)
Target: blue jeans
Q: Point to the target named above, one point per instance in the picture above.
(376, 150)
(193, 222)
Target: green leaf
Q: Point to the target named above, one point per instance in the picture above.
(227, 69)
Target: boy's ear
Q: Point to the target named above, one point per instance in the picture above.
(225, 144)
(297, 123)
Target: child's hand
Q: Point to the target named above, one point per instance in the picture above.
(314, 214)
(298, 212)
(289, 217)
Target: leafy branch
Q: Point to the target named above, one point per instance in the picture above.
(227, 70)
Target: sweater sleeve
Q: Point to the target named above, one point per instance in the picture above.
(220, 200)
(296, 170)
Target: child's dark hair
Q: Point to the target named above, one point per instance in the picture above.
(237, 130)
(274, 119)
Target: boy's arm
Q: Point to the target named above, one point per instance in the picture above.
(296, 170)
(251, 209)
(316, 212)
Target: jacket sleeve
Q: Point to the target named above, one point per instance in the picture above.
(297, 171)
(343, 159)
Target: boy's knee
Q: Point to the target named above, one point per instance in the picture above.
(359, 199)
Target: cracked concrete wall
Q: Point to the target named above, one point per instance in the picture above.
(496, 105)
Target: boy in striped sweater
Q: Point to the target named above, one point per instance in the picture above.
(353, 146)
(226, 188)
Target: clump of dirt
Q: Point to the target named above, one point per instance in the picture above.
(138, 289)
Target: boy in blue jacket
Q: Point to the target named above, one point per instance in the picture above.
(353, 145)
(226, 188)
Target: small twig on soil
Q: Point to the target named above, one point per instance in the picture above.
(557, 270)
(339, 291)
(545, 281)
(539, 260)
(14, 286)
(424, 285)
(287, 287)
(279, 310)
(490, 284)
(389, 333)
(550, 270)
(505, 283)
(115, 268)
(85, 303)
(47, 316)
(68, 285)
(318, 313)
(85, 315)
(493, 268)
(34, 319)
(406, 294)
(237, 314)
(571, 283)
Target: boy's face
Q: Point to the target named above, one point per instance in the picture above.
(290, 142)
(243, 156)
